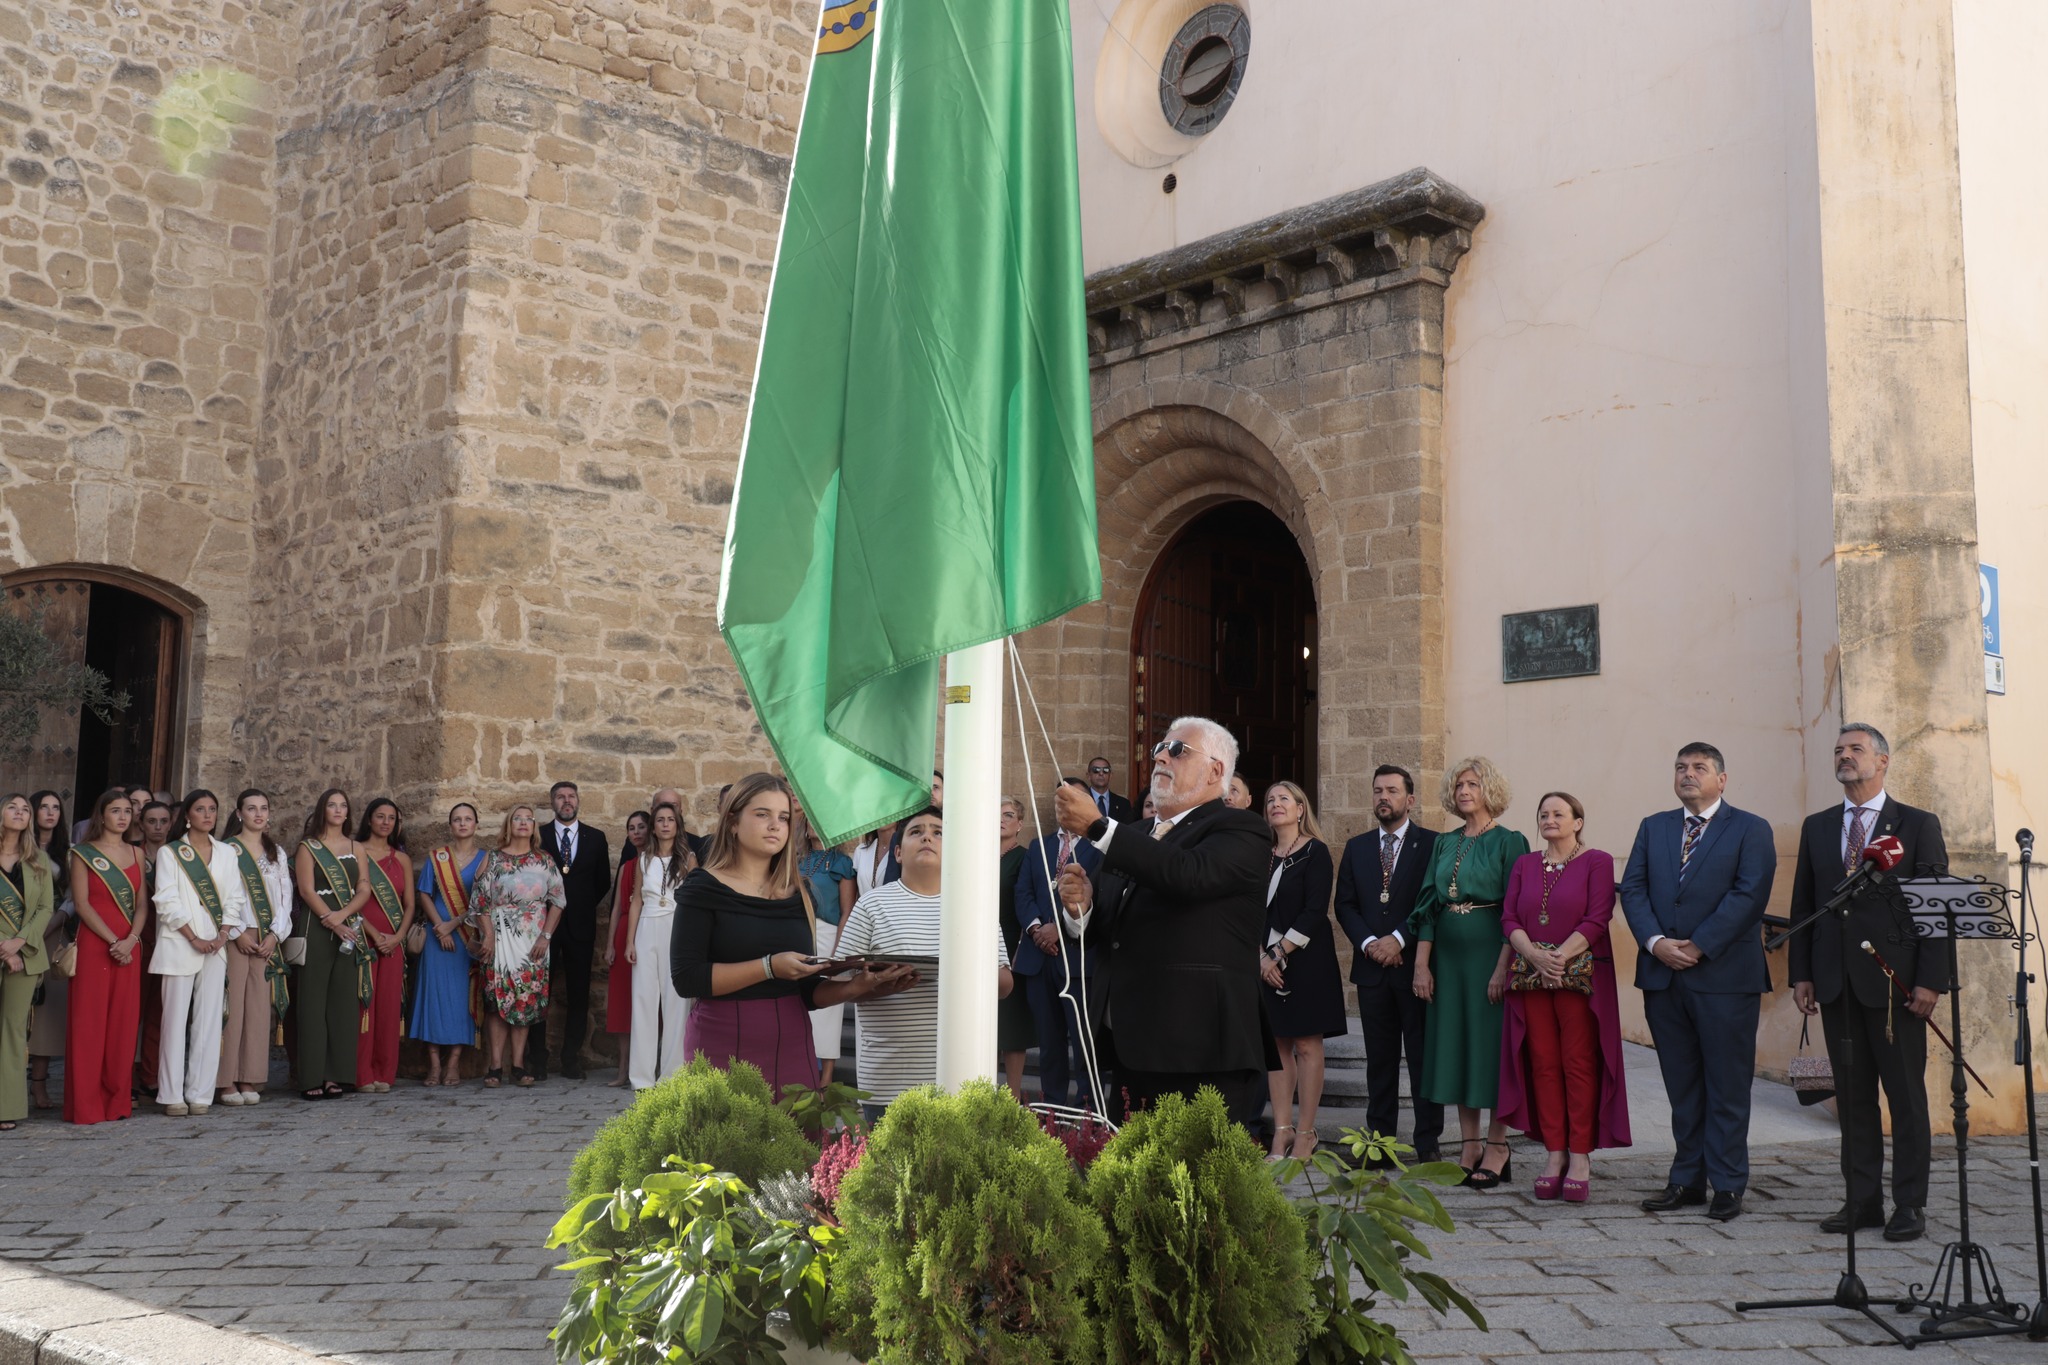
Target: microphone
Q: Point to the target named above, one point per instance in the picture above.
(1880, 856)
(2026, 839)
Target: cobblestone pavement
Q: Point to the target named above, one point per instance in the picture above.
(407, 1227)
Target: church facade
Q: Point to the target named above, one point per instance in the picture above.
(1504, 381)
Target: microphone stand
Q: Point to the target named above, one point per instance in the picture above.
(1972, 1258)
(2023, 1053)
(1850, 1294)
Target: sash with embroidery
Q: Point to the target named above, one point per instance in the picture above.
(448, 880)
(274, 973)
(385, 894)
(342, 888)
(201, 877)
(113, 879)
(13, 909)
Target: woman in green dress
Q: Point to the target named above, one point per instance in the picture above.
(1461, 961)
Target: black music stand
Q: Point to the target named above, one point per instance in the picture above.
(1850, 1293)
(1955, 910)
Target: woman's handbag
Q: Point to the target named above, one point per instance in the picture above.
(416, 938)
(1578, 974)
(66, 961)
(295, 951)
(1813, 1078)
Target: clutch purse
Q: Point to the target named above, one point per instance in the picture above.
(1578, 974)
(1813, 1078)
(66, 961)
(295, 951)
(416, 938)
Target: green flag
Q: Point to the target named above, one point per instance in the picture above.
(918, 473)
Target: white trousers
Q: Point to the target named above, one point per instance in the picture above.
(658, 1012)
(188, 1057)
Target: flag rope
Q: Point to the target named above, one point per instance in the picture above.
(1020, 688)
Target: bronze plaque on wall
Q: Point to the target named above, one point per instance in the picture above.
(1563, 642)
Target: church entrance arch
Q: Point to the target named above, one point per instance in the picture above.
(137, 635)
(1226, 628)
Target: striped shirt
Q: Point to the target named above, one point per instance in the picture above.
(896, 1038)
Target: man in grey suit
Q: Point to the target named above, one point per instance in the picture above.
(1695, 890)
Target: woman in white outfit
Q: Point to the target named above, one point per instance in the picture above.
(198, 896)
(656, 1049)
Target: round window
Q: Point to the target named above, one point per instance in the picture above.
(1203, 67)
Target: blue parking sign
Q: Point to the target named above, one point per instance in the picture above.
(1987, 606)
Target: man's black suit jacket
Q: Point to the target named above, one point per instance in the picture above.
(1184, 918)
(1816, 952)
(587, 881)
(1120, 807)
(1360, 913)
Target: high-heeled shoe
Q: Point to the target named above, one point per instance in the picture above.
(1483, 1179)
(1280, 1155)
(1546, 1186)
(1577, 1191)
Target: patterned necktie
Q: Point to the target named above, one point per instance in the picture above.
(1852, 853)
(1389, 845)
(568, 842)
(1693, 825)
(1066, 855)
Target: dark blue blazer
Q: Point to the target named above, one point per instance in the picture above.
(1719, 904)
(1037, 902)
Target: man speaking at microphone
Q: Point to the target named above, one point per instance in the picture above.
(1887, 1036)
(1181, 900)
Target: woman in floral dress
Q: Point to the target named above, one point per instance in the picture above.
(518, 898)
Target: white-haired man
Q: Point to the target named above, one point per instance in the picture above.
(1180, 900)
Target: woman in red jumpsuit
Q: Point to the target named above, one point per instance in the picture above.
(105, 1009)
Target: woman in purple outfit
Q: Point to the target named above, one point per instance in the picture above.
(1560, 1059)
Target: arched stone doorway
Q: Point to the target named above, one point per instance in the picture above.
(1226, 628)
(137, 636)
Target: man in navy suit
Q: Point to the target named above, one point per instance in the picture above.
(1695, 890)
(1112, 806)
(1046, 971)
(1377, 883)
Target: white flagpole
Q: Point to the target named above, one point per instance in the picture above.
(967, 882)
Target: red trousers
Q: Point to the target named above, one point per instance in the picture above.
(1564, 1066)
(377, 1046)
(104, 1011)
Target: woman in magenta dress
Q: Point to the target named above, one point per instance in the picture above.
(1560, 1060)
(387, 918)
(618, 1000)
(105, 1011)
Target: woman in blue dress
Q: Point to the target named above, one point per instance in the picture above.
(441, 1016)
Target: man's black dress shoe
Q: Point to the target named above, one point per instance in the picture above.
(1674, 1197)
(572, 1071)
(1907, 1225)
(1423, 1154)
(1725, 1206)
(1870, 1215)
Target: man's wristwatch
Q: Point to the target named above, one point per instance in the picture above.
(1097, 830)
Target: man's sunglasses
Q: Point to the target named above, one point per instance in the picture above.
(1173, 748)
(1098, 770)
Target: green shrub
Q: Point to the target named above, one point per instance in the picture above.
(726, 1120)
(965, 1236)
(1207, 1258)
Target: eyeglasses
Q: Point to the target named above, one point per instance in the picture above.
(1173, 748)
(1102, 769)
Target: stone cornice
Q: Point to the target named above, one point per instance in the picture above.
(1414, 226)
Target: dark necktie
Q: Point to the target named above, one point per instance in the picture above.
(1852, 853)
(1102, 803)
(1694, 824)
(1390, 845)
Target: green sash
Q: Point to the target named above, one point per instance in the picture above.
(274, 972)
(201, 877)
(112, 878)
(13, 909)
(386, 894)
(343, 889)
